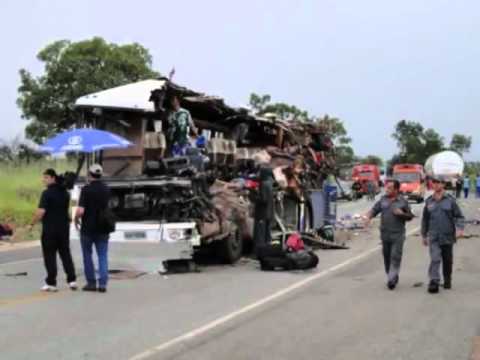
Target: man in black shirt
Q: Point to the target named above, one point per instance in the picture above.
(93, 199)
(53, 211)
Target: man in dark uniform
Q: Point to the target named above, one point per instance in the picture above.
(93, 199)
(395, 212)
(263, 213)
(442, 223)
(53, 211)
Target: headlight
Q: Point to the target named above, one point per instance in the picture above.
(176, 234)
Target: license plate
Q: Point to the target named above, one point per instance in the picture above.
(135, 235)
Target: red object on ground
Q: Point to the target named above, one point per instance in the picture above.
(251, 184)
(295, 242)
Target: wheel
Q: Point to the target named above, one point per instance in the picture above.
(230, 249)
(420, 200)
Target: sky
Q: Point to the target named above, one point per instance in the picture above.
(371, 63)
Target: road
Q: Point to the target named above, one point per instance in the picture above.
(342, 310)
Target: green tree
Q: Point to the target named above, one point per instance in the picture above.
(261, 104)
(415, 143)
(345, 156)
(336, 129)
(74, 69)
(372, 159)
(258, 102)
(408, 135)
(461, 143)
(432, 144)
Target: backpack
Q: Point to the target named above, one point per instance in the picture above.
(272, 256)
(303, 259)
(106, 222)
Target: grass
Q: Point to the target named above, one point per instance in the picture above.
(20, 190)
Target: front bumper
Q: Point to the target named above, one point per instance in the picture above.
(145, 246)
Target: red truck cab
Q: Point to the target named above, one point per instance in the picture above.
(412, 181)
(365, 173)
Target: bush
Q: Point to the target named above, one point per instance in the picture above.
(20, 189)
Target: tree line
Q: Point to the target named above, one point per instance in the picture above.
(74, 69)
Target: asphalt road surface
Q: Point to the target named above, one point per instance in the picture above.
(341, 310)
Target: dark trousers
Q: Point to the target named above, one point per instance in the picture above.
(440, 254)
(465, 192)
(392, 257)
(261, 233)
(458, 193)
(53, 243)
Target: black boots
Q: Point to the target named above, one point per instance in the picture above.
(391, 284)
(447, 283)
(433, 287)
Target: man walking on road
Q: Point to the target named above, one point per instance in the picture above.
(442, 223)
(477, 184)
(93, 200)
(53, 211)
(466, 186)
(395, 212)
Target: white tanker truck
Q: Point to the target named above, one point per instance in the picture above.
(446, 164)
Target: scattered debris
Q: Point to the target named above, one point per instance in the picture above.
(23, 273)
(178, 267)
(125, 274)
(418, 284)
(472, 222)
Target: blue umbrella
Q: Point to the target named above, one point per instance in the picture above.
(84, 140)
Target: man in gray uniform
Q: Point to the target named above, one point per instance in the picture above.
(442, 223)
(395, 212)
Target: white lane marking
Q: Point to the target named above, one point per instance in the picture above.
(21, 261)
(224, 319)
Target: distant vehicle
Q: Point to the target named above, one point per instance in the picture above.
(412, 181)
(345, 191)
(365, 173)
(446, 164)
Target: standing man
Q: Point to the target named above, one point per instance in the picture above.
(442, 223)
(477, 184)
(458, 187)
(180, 122)
(263, 213)
(53, 212)
(93, 200)
(395, 212)
(466, 186)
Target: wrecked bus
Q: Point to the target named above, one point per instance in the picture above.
(202, 199)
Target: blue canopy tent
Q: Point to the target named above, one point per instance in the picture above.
(84, 141)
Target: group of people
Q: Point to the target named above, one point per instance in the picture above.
(442, 223)
(465, 184)
(54, 213)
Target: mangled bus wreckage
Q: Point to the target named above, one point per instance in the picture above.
(205, 198)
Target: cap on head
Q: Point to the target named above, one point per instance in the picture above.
(95, 171)
(438, 178)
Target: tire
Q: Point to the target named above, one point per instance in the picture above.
(420, 200)
(230, 249)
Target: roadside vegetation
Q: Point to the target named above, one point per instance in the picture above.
(20, 189)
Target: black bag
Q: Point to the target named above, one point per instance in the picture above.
(272, 256)
(106, 221)
(303, 259)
